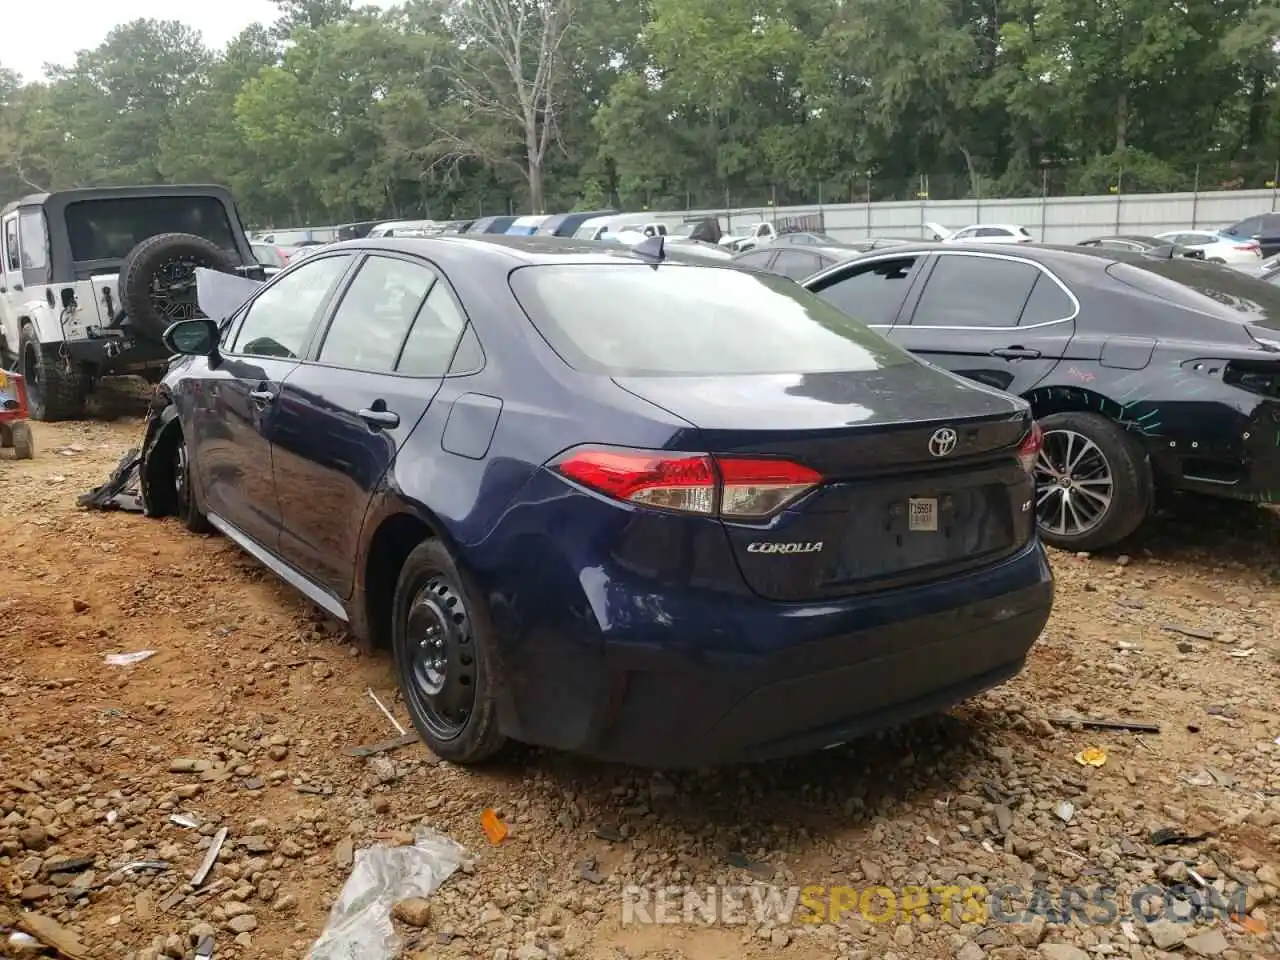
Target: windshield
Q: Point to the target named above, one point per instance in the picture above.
(109, 228)
(688, 320)
(1205, 287)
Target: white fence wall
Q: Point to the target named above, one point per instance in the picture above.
(1050, 220)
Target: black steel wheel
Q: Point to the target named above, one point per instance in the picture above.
(442, 642)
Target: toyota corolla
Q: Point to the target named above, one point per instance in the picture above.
(603, 500)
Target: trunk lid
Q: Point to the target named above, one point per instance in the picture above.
(894, 507)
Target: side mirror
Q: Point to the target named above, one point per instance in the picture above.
(192, 338)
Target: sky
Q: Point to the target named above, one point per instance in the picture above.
(36, 32)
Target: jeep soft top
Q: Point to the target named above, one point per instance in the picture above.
(90, 278)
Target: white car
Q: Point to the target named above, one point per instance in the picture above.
(1217, 248)
(982, 233)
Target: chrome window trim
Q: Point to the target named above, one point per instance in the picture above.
(897, 253)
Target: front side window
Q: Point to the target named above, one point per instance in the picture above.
(973, 291)
(376, 311)
(280, 319)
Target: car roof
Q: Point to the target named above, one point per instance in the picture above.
(1041, 252)
(509, 251)
(67, 197)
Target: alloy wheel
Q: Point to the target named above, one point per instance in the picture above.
(442, 664)
(1074, 484)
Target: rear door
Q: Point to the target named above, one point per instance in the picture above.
(345, 412)
(872, 291)
(235, 406)
(997, 319)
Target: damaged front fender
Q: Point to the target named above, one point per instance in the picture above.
(140, 481)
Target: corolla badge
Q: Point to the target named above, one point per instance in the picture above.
(765, 546)
(942, 442)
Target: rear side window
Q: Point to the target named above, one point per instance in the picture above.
(683, 320)
(435, 333)
(971, 291)
(1206, 288)
(11, 245)
(756, 260)
(873, 293)
(35, 240)
(375, 313)
(1048, 303)
(796, 264)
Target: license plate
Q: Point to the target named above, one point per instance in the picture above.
(922, 514)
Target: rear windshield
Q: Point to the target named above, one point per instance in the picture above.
(1206, 287)
(108, 229)
(631, 319)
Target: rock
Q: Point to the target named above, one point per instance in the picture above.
(321, 671)
(174, 947)
(34, 838)
(1166, 934)
(79, 606)
(278, 753)
(244, 923)
(1030, 934)
(970, 951)
(289, 849)
(234, 908)
(531, 951)
(144, 906)
(779, 938)
(381, 805)
(344, 853)
(384, 769)
(415, 912)
(1062, 951)
(904, 936)
(1211, 943)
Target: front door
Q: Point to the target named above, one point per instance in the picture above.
(235, 406)
(346, 412)
(994, 318)
(10, 280)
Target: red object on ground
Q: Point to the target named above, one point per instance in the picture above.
(13, 398)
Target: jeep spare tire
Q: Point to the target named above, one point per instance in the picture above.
(157, 284)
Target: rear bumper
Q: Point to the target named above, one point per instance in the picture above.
(117, 355)
(763, 680)
(1233, 454)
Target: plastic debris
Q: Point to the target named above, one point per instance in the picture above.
(128, 659)
(493, 826)
(206, 865)
(359, 924)
(1065, 810)
(1091, 757)
(185, 820)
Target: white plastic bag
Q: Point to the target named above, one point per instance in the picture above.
(359, 926)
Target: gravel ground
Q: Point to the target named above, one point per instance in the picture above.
(243, 717)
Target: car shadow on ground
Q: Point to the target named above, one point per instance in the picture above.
(828, 791)
(1211, 532)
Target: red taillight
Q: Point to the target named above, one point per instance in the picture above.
(283, 255)
(690, 483)
(1251, 245)
(1029, 452)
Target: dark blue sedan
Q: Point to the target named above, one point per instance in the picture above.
(599, 499)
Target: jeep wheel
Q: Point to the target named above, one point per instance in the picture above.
(56, 390)
(158, 279)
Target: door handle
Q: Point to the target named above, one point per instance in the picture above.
(1016, 353)
(262, 397)
(379, 418)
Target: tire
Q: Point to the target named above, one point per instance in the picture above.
(149, 313)
(54, 392)
(442, 638)
(22, 441)
(183, 492)
(1100, 448)
(1217, 260)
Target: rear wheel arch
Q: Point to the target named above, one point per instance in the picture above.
(396, 536)
(1101, 420)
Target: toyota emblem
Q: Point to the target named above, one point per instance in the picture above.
(942, 442)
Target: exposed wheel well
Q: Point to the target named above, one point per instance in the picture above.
(392, 543)
(162, 497)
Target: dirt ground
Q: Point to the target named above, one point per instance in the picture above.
(243, 716)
